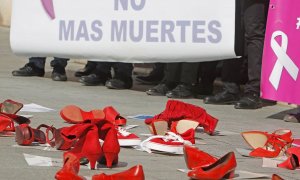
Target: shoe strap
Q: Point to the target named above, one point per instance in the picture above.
(123, 131)
(170, 136)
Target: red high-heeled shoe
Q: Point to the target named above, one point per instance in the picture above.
(276, 143)
(222, 168)
(134, 173)
(88, 145)
(293, 160)
(194, 157)
(74, 114)
(70, 168)
(25, 135)
(113, 116)
(111, 146)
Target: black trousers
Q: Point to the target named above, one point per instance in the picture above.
(255, 15)
(122, 70)
(40, 62)
(176, 73)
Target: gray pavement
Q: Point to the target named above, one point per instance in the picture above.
(56, 95)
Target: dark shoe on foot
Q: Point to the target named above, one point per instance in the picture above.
(118, 84)
(59, 74)
(29, 70)
(87, 70)
(149, 80)
(295, 118)
(93, 80)
(158, 90)
(249, 101)
(221, 98)
(181, 91)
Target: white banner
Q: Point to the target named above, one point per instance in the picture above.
(125, 30)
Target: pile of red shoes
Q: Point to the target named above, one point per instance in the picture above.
(204, 166)
(272, 145)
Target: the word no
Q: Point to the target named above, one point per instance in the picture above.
(136, 5)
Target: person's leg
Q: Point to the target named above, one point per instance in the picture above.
(122, 76)
(99, 76)
(169, 82)
(88, 69)
(35, 67)
(255, 23)
(59, 72)
(154, 77)
(231, 77)
(188, 78)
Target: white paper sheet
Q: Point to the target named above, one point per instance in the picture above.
(35, 108)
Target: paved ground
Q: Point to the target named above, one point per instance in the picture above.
(56, 95)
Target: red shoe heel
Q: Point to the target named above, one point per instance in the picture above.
(88, 146)
(111, 159)
(229, 175)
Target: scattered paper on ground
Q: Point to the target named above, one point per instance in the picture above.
(26, 115)
(35, 108)
(38, 146)
(140, 116)
(239, 174)
(272, 162)
(33, 160)
(130, 127)
(243, 152)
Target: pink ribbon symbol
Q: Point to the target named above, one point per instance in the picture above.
(48, 6)
(283, 60)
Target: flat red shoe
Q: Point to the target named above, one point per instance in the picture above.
(194, 157)
(74, 114)
(222, 169)
(25, 135)
(113, 116)
(134, 173)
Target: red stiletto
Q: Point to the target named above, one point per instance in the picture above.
(70, 168)
(111, 146)
(276, 143)
(113, 116)
(134, 173)
(222, 168)
(88, 145)
(74, 114)
(194, 157)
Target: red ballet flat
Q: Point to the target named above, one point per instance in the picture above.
(134, 173)
(74, 114)
(194, 157)
(223, 168)
(113, 116)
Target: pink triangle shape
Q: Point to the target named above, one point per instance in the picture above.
(48, 6)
